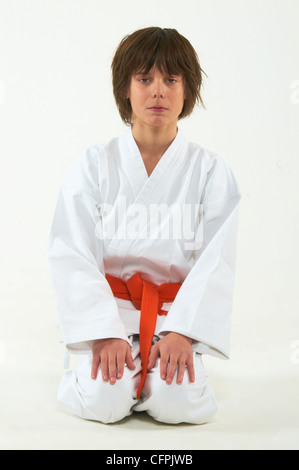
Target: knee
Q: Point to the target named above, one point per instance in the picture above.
(95, 399)
(192, 403)
(108, 403)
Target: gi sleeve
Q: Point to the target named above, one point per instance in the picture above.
(86, 307)
(203, 305)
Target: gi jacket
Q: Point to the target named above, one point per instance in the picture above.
(177, 225)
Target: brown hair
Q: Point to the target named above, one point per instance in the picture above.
(171, 52)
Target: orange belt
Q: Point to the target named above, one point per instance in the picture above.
(148, 298)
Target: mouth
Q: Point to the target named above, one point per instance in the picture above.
(158, 109)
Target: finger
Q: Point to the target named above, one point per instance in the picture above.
(171, 370)
(112, 368)
(104, 368)
(130, 360)
(154, 354)
(181, 371)
(190, 369)
(163, 366)
(95, 366)
(120, 365)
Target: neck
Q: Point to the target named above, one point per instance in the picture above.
(153, 141)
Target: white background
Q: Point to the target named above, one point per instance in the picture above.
(56, 100)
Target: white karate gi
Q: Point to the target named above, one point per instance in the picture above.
(105, 223)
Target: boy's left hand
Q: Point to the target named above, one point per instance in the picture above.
(175, 351)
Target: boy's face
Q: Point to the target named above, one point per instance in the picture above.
(157, 99)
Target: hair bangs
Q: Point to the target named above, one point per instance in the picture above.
(160, 50)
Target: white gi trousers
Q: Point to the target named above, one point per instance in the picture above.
(97, 400)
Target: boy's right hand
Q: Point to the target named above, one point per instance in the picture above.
(112, 354)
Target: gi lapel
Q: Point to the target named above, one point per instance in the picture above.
(149, 189)
(146, 189)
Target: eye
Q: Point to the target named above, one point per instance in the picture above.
(143, 80)
(171, 80)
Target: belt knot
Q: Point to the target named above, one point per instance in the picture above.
(148, 298)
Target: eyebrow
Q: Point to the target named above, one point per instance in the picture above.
(139, 74)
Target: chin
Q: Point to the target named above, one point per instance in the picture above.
(158, 121)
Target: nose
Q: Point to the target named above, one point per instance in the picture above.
(158, 90)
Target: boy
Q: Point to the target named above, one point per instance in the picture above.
(142, 248)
